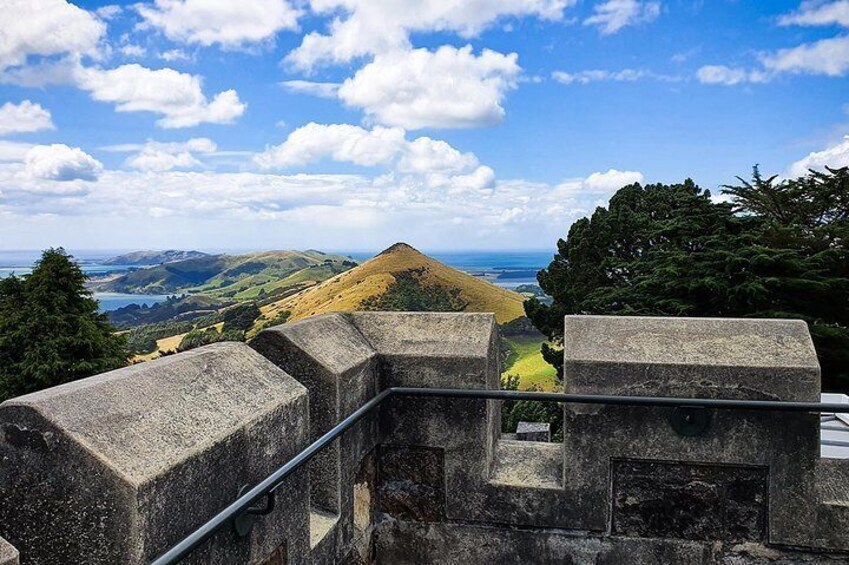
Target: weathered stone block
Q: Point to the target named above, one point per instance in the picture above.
(411, 483)
(118, 467)
(450, 350)
(8, 554)
(832, 504)
(693, 357)
(698, 502)
(416, 346)
(339, 368)
(528, 464)
(420, 543)
(365, 506)
(533, 431)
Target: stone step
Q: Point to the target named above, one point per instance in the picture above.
(528, 464)
(321, 524)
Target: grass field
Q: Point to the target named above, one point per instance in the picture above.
(526, 361)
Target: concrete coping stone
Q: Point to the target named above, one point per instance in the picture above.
(8, 553)
(703, 341)
(142, 420)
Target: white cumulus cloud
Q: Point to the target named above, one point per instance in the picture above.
(340, 142)
(13, 151)
(818, 13)
(370, 27)
(131, 50)
(611, 180)
(419, 88)
(177, 96)
(227, 23)
(23, 117)
(426, 155)
(166, 156)
(109, 12)
(835, 157)
(46, 28)
(613, 15)
(58, 162)
(824, 57)
(432, 162)
(175, 55)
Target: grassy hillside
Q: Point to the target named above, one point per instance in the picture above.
(348, 291)
(224, 276)
(170, 343)
(526, 362)
(256, 286)
(186, 308)
(145, 258)
(288, 286)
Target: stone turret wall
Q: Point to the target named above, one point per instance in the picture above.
(116, 468)
(8, 553)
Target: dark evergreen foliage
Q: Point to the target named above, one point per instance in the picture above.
(778, 249)
(281, 318)
(142, 339)
(409, 294)
(240, 317)
(50, 330)
(196, 338)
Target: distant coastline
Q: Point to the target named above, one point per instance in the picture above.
(507, 269)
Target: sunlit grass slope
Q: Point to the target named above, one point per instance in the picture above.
(526, 362)
(347, 291)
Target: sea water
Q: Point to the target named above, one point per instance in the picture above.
(508, 269)
(21, 262)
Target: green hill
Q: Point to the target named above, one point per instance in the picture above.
(225, 276)
(366, 287)
(145, 258)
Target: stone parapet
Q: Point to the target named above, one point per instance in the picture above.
(116, 468)
(695, 358)
(339, 368)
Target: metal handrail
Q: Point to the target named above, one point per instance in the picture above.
(242, 505)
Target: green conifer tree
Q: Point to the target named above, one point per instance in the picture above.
(778, 249)
(50, 330)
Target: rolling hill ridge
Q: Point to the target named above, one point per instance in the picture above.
(146, 258)
(369, 286)
(226, 275)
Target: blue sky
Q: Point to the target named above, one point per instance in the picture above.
(352, 124)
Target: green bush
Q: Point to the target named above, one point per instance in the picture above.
(407, 293)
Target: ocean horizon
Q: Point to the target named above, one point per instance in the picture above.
(505, 268)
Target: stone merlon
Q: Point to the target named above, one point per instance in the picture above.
(119, 467)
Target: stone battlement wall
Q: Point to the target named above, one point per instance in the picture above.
(119, 467)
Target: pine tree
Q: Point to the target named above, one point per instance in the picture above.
(778, 249)
(50, 330)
